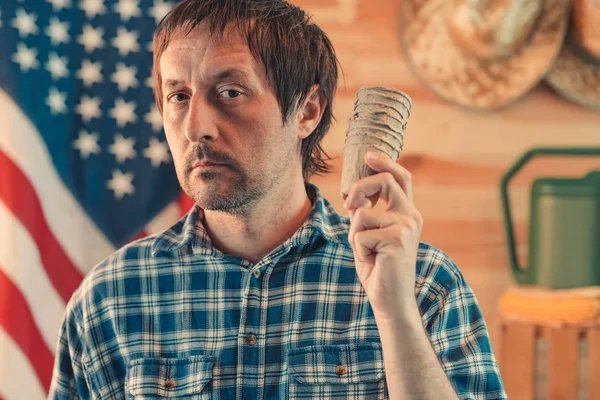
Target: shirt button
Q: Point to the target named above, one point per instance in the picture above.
(340, 370)
(251, 338)
(170, 383)
(256, 274)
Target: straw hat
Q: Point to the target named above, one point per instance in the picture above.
(576, 72)
(482, 54)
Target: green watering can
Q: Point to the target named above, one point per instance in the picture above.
(564, 233)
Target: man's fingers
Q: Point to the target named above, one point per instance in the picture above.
(368, 218)
(391, 228)
(389, 184)
(383, 186)
(382, 163)
(367, 243)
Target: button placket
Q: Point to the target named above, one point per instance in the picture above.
(250, 338)
(250, 328)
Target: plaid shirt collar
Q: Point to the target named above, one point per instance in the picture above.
(190, 234)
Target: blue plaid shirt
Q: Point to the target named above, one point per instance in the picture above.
(171, 316)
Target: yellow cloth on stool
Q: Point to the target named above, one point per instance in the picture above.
(579, 306)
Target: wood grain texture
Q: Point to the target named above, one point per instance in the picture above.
(456, 156)
(517, 360)
(593, 337)
(563, 366)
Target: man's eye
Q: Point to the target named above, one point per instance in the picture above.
(230, 93)
(178, 97)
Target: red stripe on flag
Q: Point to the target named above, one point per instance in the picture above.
(140, 235)
(20, 197)
(185, 203)
(16, 319)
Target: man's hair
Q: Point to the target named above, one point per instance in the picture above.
(295, 52)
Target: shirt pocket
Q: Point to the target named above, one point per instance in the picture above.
(182, 378)
(344, 371)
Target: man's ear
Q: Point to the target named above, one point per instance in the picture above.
(310, 112)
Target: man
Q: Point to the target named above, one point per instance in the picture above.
(263, 291)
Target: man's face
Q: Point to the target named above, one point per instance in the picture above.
(223, 122)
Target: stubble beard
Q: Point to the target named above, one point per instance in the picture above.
(213, 191)
(219, 191)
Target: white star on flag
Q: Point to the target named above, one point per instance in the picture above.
(121, 184)
(154, 118)
(87, 143)
(122, 148)
(58, 5)
(25, 23)
(89, 107)
(57, 66)
(159, 10)
(127, 9)
(92, 7)
(150, 82)
(0, 18)
(123, 112)
(26, 58)
(126, 41)
(58, 31)
(91, 38)
(157, 152)
(57, 101)
(90, 73)
(124, 77)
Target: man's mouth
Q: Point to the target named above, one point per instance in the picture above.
(207, 164)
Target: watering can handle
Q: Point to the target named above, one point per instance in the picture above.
(526, 275)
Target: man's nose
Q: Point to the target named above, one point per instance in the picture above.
(200, 121)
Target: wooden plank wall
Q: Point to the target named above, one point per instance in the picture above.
(456, 156)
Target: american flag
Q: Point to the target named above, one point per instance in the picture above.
(84, 164)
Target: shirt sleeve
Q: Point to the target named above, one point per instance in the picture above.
(68, 375)
(457, 331)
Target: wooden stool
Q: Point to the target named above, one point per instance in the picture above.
(541, 361)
